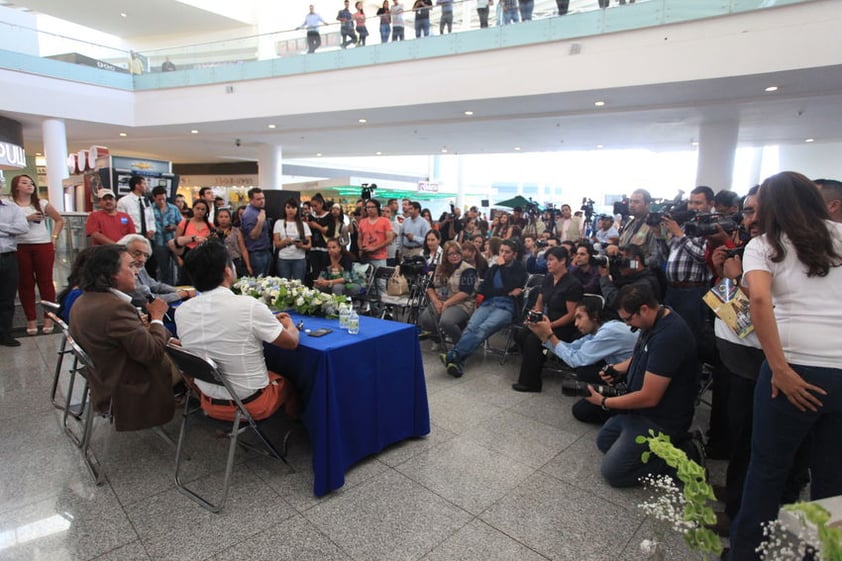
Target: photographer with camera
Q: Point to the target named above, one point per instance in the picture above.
(628, 268)
(662, 380)
(688, 276)
(560, 292)
(604, 340)
(641, 232)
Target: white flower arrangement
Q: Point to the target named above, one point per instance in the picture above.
(285, 294)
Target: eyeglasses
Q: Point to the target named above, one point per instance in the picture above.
(138, 254)
(628, 318)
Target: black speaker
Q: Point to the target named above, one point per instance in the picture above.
(484, 203)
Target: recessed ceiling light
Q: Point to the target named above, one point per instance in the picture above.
(469, 113)
(444, 150)
(694, 143)
(809, 140)
(771, 89)
(363, 121)
(379, 153)
(599, 146)
(123, 15)
(123, 134)
(194, 131)
(517, 148)
(319, 155)
(599, 103)
(272, 126)
(38, 154)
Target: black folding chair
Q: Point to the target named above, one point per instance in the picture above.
(51, 309)
(197, 367)
(531, 289)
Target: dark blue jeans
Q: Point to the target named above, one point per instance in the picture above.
(385, 31)
(778, 431)
(622, 466)
(422, 27)
(261, 262)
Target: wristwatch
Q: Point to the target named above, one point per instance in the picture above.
(602, 403)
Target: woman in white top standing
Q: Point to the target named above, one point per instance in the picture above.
(292, 239)
(36, 251)
(794, 272)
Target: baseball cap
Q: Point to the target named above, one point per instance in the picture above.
(105, 193)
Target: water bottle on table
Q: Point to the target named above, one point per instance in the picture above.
(353, 323)
(344, 314)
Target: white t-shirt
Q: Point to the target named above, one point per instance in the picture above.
(229, 329)
(37, 230)
(290, 230)
(808, 310)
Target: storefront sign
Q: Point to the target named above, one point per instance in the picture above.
(427, 187)
(12, 156)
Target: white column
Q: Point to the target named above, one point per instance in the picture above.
(270, 166)
(55, 151)
(460, 181)
(717, 149)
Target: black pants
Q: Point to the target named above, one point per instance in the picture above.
(314, 41)
(563, 6)
(483, 17)
(8, 288)
(532, 353)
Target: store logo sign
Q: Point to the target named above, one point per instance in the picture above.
(12, 156)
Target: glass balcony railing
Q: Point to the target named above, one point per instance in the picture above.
(286, 52)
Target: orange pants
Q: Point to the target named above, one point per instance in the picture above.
(279, 392)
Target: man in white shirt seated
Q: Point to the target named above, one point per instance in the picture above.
(230, 329)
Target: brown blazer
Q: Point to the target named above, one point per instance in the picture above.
(132, 372)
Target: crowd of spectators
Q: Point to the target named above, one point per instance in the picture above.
(612, 301)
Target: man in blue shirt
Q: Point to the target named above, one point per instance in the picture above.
(603, 342)
(312, 21)
(413, 231)
(255, 229)
(167, 218)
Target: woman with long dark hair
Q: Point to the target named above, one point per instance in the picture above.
(337, 227)
(794, 274)
(292, 240)
(451, 305)
(432, 251)
(232, 238)
(36, 250)
(190, 233)
(319, 222)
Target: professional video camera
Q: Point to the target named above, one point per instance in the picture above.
(621, 207)
(701, 225)
(576, 387)
(675, 209)
(587, 208)
(613, 262)
(367, 191)
(532, 210)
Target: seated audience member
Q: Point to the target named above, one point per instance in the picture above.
(72, 291)
(337, 276)
(662, 378)
(582, 269)
(632, 270)
(605, 341)
(451, 295)
(471, 255)
(501, 289)
(530, 249)
(133, 376)
(606, 233)
(491, 250)
(230, 329)
(432, 251)
(147, 288)
(557, 300)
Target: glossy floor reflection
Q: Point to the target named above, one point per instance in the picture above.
(503, 475)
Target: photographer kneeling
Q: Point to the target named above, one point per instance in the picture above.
(662, 379)
(604, 341)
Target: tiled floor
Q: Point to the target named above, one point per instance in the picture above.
(502, 476)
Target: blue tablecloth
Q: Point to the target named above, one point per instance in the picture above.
(362, 392)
